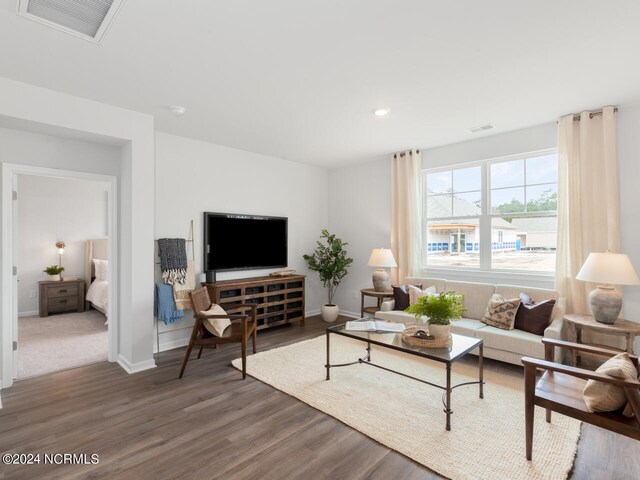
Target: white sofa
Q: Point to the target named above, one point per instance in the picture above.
(505, 345)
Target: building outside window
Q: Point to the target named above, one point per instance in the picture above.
(493, 215)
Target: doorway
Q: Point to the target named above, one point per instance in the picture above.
(11, 249)
(57, 219)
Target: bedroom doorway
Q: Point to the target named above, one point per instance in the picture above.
(61, 219)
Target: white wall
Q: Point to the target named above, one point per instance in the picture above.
(629, 168)
(52, 210)
(25, 104)
(193, 177)
(360, 214)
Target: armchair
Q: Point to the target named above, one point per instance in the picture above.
(237, 332)
(560, 387)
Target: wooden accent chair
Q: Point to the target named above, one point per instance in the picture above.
(559, 389)
(237, 332)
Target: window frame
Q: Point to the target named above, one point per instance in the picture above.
(485, 219)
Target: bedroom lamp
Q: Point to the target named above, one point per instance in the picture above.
(607, 269)
(60, 246)
(381, 258)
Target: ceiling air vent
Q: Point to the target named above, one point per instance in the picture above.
(88, 19)
(480, 128)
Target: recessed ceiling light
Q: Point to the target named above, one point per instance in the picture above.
(381, 112)
(177, 110)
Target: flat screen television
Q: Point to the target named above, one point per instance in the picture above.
(243, 242)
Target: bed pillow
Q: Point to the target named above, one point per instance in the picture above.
(416, 294)
(534, 317)
(216, 326)
(101, 269)
(501, 312)
(401, 296)
(604, 397)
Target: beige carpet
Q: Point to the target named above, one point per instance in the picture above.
(60, 342)
(487, 437)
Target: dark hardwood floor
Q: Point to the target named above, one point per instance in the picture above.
(212, 424)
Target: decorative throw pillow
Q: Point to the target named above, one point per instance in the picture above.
(415, 293)
(534, 317)
(501, 312)
(216, 326)
(101, 270)
(401, 296)
(604, 397)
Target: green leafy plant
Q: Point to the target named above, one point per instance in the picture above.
(53, 270)
(331, 262)
(440, 309)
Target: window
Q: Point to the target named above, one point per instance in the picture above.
(498, 214)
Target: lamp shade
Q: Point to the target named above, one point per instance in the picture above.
(609, 269)
(382, 257)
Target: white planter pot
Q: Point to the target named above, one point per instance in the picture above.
(439, 331)
(330, 313)
(54, 278)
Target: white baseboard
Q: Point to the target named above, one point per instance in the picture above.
(135, 367)
(347, 313)
(170, 345)
(311, 313)
(28, 314)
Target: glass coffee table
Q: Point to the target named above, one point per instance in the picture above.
(461, 345)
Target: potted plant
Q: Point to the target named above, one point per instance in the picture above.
(331, 262)
(439, 309)
(54, 273)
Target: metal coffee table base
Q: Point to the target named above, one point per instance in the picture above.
(448, 388)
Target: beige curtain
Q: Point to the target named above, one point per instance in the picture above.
(588, 199)
(406, 216)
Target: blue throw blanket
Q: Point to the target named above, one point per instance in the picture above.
(166, 304)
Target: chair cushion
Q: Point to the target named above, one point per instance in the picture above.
(501, 312)
(476, 296)
(516, 341)
(604, 397)
(536, 317)
(216, 326)
(466, 326)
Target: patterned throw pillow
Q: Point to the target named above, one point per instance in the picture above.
(501, 312)
(604, 397)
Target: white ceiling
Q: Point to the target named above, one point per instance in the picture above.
(298, 79)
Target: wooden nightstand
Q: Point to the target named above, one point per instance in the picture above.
(578, 323)
(370, 292)
(62, 296)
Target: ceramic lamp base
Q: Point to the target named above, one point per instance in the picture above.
(605, 304)
(381, 280)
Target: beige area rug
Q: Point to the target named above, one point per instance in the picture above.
(486, 440)
(59, 342)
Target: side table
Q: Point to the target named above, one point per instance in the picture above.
(379, 296)
(577, 323)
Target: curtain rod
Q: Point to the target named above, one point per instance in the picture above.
(576, 117)
(395, 155)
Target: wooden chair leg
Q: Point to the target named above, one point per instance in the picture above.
(529, 392)
(548, 415)
(200, 352)
(255, 334)
(186, 356)
(244, 358)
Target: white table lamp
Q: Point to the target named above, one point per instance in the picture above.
(607, 269)
(381, 258)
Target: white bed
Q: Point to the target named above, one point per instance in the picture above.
(98, 292)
